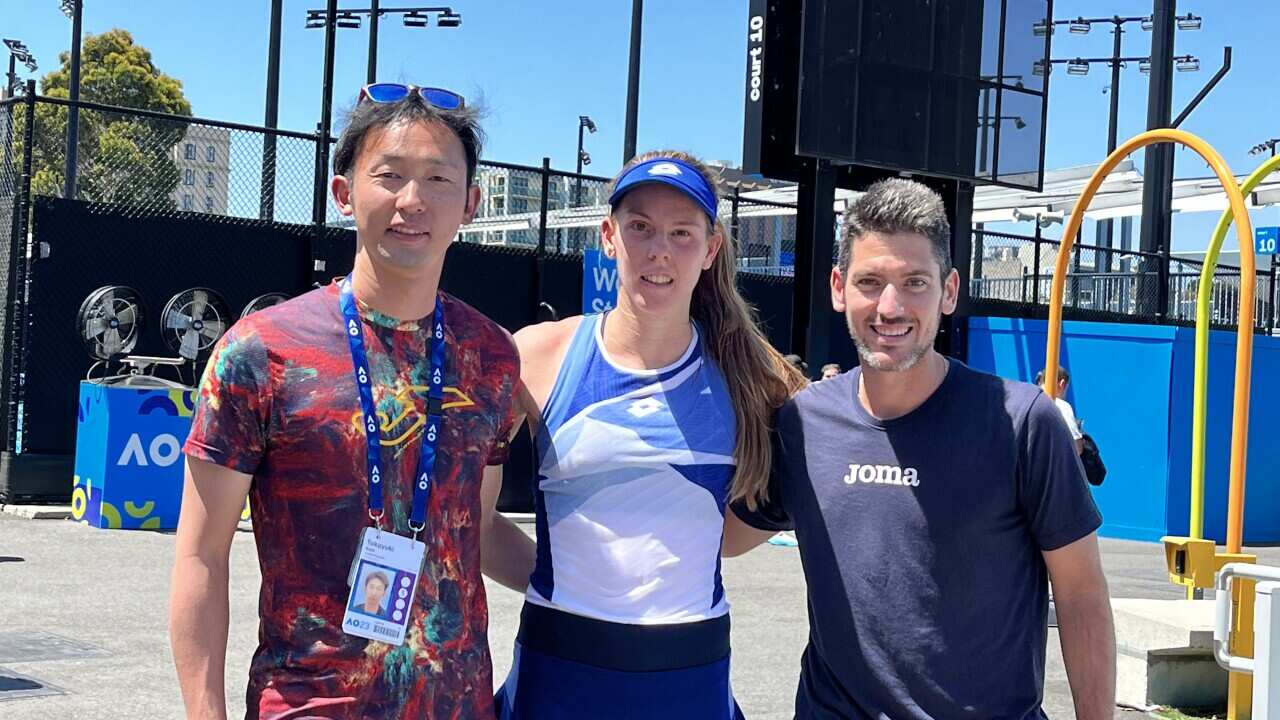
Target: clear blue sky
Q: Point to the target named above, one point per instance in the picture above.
(539, 65)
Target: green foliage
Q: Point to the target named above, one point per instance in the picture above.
(122, 158)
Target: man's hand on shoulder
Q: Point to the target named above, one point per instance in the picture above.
(542, 349)
(546, 337)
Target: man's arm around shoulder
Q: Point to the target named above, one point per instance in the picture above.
(1085, 626)
(212, 500)
(507, 554)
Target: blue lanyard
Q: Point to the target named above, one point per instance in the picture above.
(372, 426)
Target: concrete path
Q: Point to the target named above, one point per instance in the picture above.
(93, 604)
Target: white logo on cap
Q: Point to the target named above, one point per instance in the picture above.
(665, 168)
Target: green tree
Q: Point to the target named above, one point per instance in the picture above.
(121, 158)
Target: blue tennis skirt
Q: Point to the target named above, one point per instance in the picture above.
(567, 667)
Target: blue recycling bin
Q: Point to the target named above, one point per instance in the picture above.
(129, 461)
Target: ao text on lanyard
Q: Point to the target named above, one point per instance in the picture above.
(372, 426)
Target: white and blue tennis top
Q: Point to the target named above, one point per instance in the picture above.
(634, 469)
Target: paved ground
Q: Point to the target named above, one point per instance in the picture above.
(108, 592)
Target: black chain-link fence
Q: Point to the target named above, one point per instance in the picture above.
(1224, 294)
(517, 200)
(1109, 282)
(150, 163)
(766, 233)
(10, 201)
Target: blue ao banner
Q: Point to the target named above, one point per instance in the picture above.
(599, 282)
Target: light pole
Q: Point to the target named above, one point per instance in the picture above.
(18, 53)
(633, 83)
(326, 115)
(1080, 66)
(331, 19)
(73, 9)
(983, 142)
(371, 66)
(267, 188)
(584, 122)
(1264, 146)
(414, 17)
(1018, 121)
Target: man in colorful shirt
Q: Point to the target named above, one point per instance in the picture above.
(281, 419)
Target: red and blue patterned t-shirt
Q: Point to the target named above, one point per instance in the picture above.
(278, 401)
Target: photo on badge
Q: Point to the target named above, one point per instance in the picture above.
(375, 591)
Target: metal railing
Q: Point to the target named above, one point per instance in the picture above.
(1019, 269)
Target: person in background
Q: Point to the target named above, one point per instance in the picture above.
(798, 363)
(1064, 407)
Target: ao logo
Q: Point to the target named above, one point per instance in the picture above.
(665, 169)
(163, 451)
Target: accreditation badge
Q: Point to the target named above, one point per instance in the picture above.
(383, 579)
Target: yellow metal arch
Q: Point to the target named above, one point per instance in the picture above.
(1239, 686)
(1200, 393)
(1244, 333)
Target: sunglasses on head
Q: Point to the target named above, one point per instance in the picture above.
(395, 92)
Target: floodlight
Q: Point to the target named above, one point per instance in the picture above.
(587, 123)
(1078, 67)
(1148, 23)
(315, 19)
(1187, 63)
(448, 19)
(584, 157)
(416, 20)
(1041, 68)
(1079, 26)
(1189, 22)
(1265, 146)
(348, 20)
(1042, 28)
(1019, 123)
(1144, 66)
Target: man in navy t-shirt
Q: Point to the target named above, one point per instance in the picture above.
(933, 504)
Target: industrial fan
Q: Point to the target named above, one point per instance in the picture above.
(192, 321)
(262, 302)
(110, 321)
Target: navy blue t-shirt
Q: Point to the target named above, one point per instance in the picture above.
(921, 540)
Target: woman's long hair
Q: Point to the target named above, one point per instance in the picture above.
(758, 377)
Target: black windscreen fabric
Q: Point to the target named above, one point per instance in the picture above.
(86, 246)
(909, 84)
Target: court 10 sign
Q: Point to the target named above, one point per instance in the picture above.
(1266, 240)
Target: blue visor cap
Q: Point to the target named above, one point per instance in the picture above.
(669, 171)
